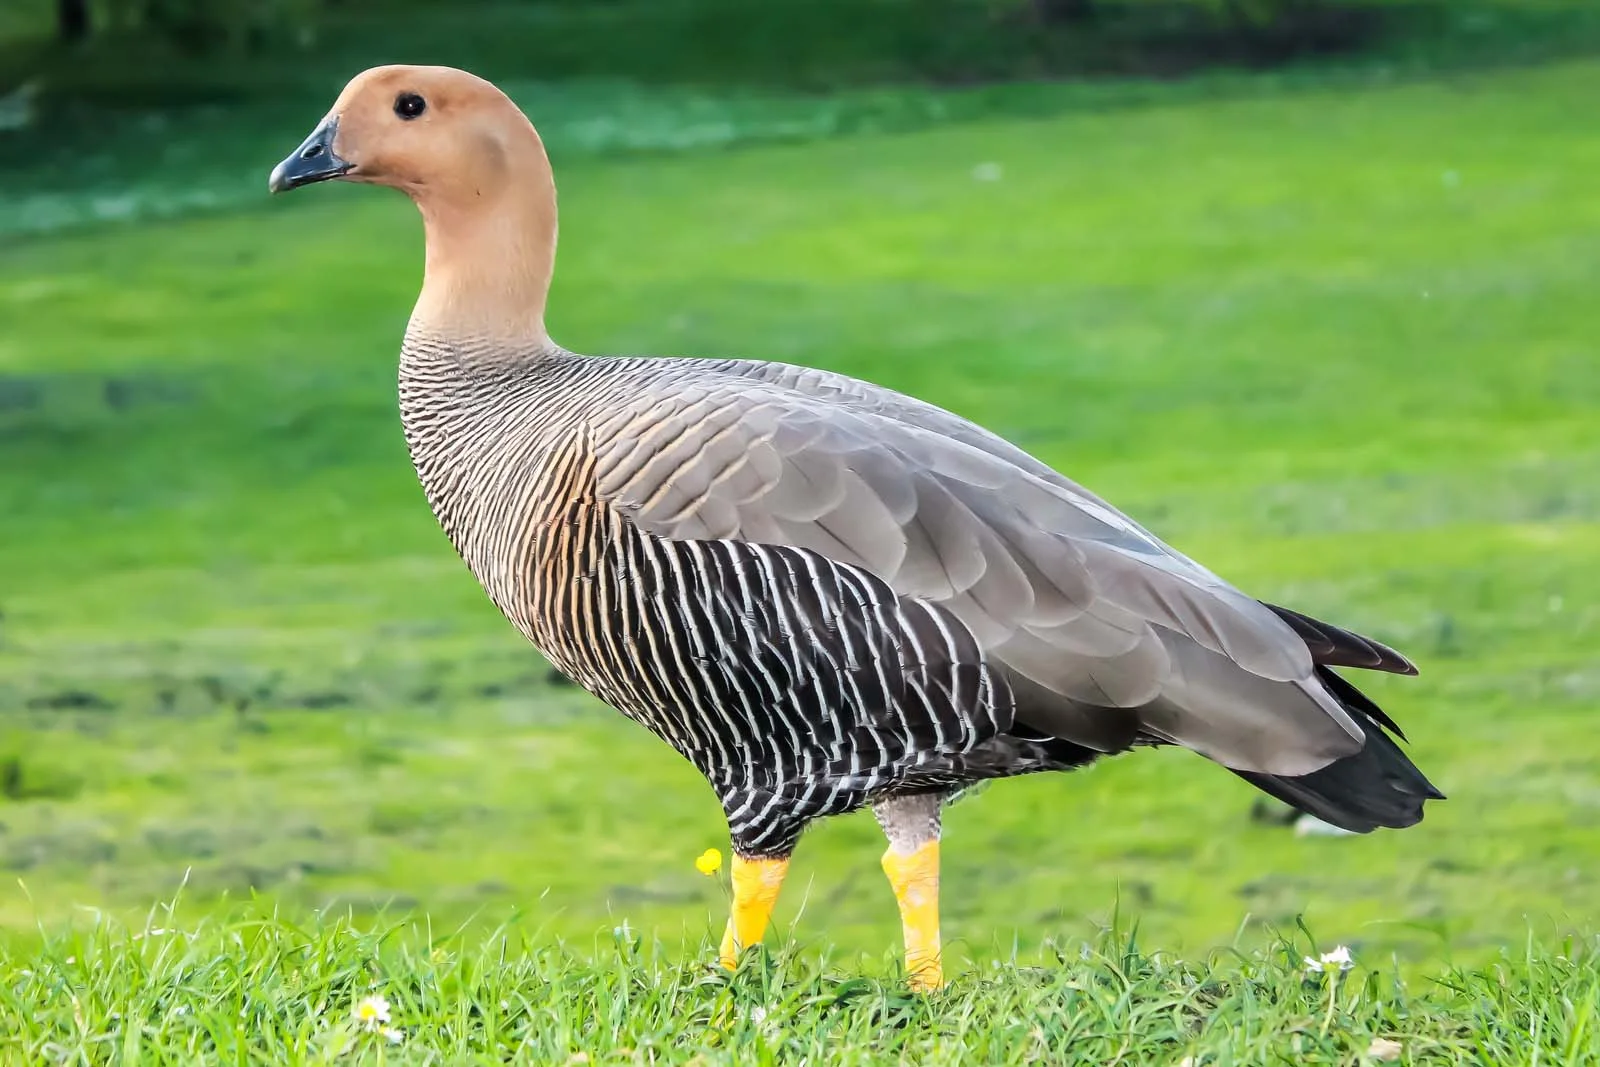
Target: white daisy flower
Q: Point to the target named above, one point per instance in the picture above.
(373, 1013)
(1337, 961)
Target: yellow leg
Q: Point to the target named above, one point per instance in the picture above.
(755, 890)
(915, 878)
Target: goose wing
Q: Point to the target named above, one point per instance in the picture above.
(1107, 632)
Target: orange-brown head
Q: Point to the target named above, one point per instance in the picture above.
(471, 161)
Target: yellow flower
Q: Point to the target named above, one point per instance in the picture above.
(708, 862)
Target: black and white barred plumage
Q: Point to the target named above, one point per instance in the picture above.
(823, 593)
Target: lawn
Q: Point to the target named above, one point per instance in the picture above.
(1337, 345)
(265, 991)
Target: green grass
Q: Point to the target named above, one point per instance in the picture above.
(1339, 346)
(264, 990)
(130, 130)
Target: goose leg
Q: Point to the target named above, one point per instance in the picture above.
(912, 863)
(756, 881)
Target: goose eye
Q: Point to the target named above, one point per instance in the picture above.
(409, 105)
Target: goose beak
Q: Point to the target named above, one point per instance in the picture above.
(313, 161)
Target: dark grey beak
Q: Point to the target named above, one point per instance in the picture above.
(313, 161)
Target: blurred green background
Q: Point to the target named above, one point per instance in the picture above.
(1308, 287)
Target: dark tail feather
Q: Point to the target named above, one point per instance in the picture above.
(1378, 786)
(1334, 646)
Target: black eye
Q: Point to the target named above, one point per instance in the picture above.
(409, 105)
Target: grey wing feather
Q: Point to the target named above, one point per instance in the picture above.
(1085, 608)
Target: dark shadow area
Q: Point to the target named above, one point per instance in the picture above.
(160, 53)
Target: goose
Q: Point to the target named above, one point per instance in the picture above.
(822, 593)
